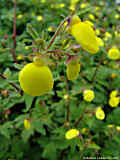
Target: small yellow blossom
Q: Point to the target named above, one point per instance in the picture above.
(92, 17)
(27, 124)
(114, 101)
(83, 5)
(50, 29)
(43, 1)
(19, 16)
(117, 16)
(118, 8)
(97, 8)
(118, 128)
(113, 75)
(84, 130)
(74, 1)
(113, 93)
(108, 35)
(100, 42)
(110, 125)
(72, 133)
(105, 62)
(97, 32)
(105, 38)
(20, 57)
(117, 34)
(100, 113)
(66, 96)
(39, 18)
(114, 53)
(88, 95)
(27, 47)
(61, 5)
(72, 7)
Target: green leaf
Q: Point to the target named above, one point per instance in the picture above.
(28, 102)
(32, 31)
(94, 146)
(7, 73)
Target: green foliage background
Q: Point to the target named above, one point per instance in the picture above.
(46, 139)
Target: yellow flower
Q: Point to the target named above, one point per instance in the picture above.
(118, 8)
(97, 32)
(39, 18)
(72, 133)
(114, 101)
(75, 20)
(83, 5)
(72, 7)
(116, 16)
(73, 69)
(91, 16)
(85, 35)
(50, 29)
(108, 35)
(113, 93)
(20, 57)
(105, 38)
(27, 124)
(113, 75)
(110, 125)
(36, 79)
(114, 53)
(88, 95)
(66, 96)
(19, 16)
(74, 1)
(43, 1)
(100, 42)
(118, 128)
(27, 47)
(61, 5)
(84, 130)
(100, 113)
(117, 34)
(90, 23)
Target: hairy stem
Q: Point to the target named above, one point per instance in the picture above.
(12, 84)
(97, 68)
(13, 51)
(57, 32)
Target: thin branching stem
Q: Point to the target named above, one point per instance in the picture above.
(12, 84)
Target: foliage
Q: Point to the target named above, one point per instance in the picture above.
(63, 108)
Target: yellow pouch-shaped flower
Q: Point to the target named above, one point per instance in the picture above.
(36, 79)
(73, 69)
(100, 113)
(74, 20)
(85, 36)
(72, 133)
(27, 124)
